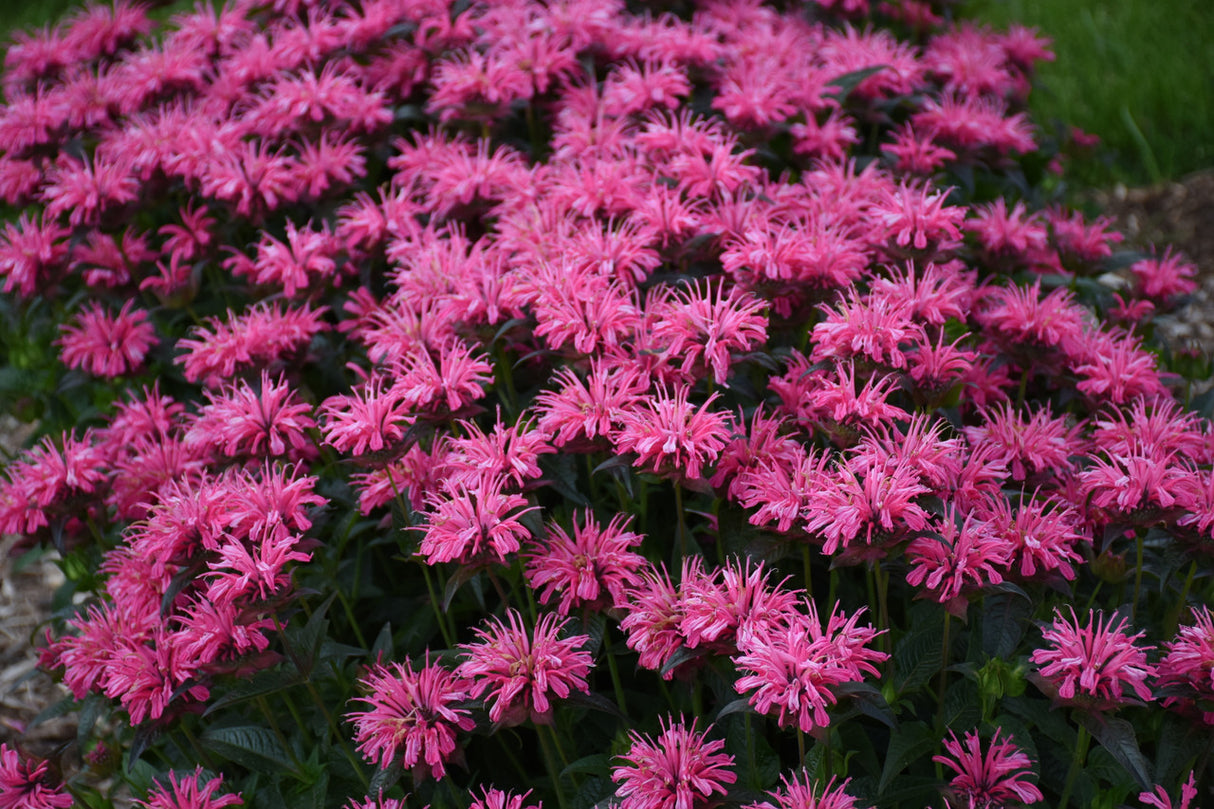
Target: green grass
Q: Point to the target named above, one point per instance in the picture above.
(1138, 73)
(21, 14)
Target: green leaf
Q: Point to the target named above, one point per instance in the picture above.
(263, 683)
(250, 746)
(90, 711)
(917, 655)
(680, 656)
(850, 81)
(1117, 736)
(909, 741)
(868, 699)
(741, 705)
(463, 575)
(386, 777)
(1003, 623)
(597, 764)
(384, 647)
(305, 643)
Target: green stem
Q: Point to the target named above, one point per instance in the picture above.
(553, 772)
(202, 754)
(613, 667)
(945, 648)
(751, 770)
(1137, 577)
(800, 747)
(334, 729)
(448, 634)
(290, 751)
(1174, 618)
(682, 525)
(809, 583)
(1081, 752)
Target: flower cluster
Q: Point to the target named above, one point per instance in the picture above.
(524, 369)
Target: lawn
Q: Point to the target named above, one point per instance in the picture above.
(1138, 73)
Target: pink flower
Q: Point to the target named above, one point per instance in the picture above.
(1161, 800)
(261, 335)
(700, 329)
(652, 623)
(790, 668)
(591, 569)
(802, 792)
(992, 779)
(474, 521)
(521, 669)
(1094, 664)
(493, 798)
(189, 792)
(414, 714)
(681, 769)
(22, 784)
(672, 437)
(1187, 669)
(107, 345)
(243, 421)
(962, 557)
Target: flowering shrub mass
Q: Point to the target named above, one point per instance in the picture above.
(588, 403)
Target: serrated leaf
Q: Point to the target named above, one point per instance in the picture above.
(90, 711)
(868, 699)
(386, 777)
(680, 656)
(848, 82)
(597, 764)
(144, 736)
(253, 747)
(596, 701)
(741, 705)
(1004, 619)
(261, 684)
(384, 647)
(909, 741)
(463, 575)
(917, 655)
(1118, 737)
(305, 642)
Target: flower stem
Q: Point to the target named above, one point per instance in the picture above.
(944, 656)
(1081, 752)
(809, 583)
(1137, 578)
(613, 667)
(448, 634)
(550, 763)
(682, 525)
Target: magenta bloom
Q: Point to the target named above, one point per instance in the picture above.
(681, 770)
(188, 793)
(107, 345)
(801, 792)
(790, 668)
(990, 779)
(589, 569)
(519, 669)
(1161, 800)
(22, 784)
(1096, 663)
(494, 798)
(1188, 665)
(671, 436)
(414, 713)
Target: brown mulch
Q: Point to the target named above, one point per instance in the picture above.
(1180, 214)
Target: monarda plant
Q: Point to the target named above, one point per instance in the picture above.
(489, 405)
